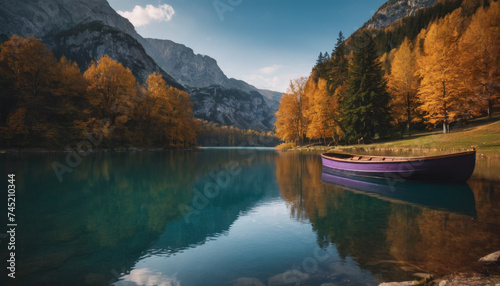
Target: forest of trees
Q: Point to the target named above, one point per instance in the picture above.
(213, 134)
(446, 73)
(50, 103)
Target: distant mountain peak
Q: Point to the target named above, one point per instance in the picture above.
(394, 10)
(190, 69)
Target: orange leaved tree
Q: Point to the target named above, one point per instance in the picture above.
(403, 84)
(480, 57)
(441, 87)
(291, 122)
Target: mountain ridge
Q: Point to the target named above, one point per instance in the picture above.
(86, 30)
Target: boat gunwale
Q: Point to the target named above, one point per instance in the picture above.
(399, 158)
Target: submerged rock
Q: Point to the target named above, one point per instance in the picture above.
(290, 277)
(491, 258)
(405, 283)
(465, 279)
(246, 281)
(423, 275)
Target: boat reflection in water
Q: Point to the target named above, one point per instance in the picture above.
(451, 197)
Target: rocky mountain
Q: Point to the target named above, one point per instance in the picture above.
(195, 70)
(272, 98)
(234, 107)
(200, 73)
(84, 30)
(190, 69)
(394, 10)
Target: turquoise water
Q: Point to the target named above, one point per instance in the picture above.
(235, 217)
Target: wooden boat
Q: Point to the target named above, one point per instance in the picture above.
(449, 197)
(456, 167)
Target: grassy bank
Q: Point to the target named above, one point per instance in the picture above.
(485, 137)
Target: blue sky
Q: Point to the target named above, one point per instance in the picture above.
(266, 43)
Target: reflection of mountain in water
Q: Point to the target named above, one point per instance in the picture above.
(252, 186)
(387, 238)
(97, 222)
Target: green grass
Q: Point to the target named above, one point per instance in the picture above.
(485, 137)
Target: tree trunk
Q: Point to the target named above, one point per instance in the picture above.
(408, 113)
(445, 111)
(490, 108)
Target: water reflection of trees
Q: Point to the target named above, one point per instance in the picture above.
(392, 240)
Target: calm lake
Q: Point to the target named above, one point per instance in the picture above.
(237, 217)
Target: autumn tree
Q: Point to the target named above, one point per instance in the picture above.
(183, 132)
(40, 93)
(69, 91)
(30, 65)
(365, 105)
(403, 85)
(29, 69)
(323, 113)
(441, 87)
(167, 115)
(111, 91)
(480, 56)
(291, 122)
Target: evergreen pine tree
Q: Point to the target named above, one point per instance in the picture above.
(338, 65)
(320, 59)
(365, 105)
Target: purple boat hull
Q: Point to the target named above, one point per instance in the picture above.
(456, 167)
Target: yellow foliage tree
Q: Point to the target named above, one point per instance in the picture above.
(111, 90)
(170, 113)
(31, 66)
(480, 57)
(441, 87)
(323, 113)
(184, 133)
(70, 89)
(291, 122)
(403, 85)
(38, 91)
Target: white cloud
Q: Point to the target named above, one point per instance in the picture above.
(276, 83)
(266, 77)
(144, 276)
(140, 16)
(269, 70)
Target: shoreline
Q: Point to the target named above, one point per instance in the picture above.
(489, 274)
(369, 148)
(485, 138)
(455, 279)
